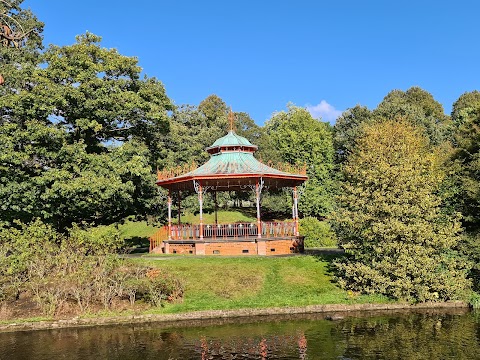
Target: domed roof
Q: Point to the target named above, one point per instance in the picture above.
(231, 139)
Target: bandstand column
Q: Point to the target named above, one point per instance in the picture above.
(295, 210)
(200, 201)
(169, 214)
(179, 208)
(216, 206)
(259, 221)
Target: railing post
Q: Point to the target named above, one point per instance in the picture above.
(169, 215)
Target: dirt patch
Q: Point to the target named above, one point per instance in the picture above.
(26, 308)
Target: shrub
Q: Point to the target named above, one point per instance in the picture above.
(317, 233)
(390, 222)
(470, 248)
(95, 241)
(81, 269)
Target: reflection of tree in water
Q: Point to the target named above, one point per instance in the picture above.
(417, 336)
(245, 347)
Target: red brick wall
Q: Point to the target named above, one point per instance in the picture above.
(231, 248)
(182, 248)
(279, 247)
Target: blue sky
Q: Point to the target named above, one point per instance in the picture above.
(260, 55)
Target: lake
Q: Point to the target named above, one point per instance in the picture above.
(435, 334)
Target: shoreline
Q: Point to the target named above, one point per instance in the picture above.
(337, 311)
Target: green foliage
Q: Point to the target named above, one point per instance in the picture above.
(81, 268)
(317, 233)
(470, 248)
(20, 243)
(41, 175)
(466, 100)
(199, 127)
(26, 152)
(475, 301)
(297, 138)
(277, 203)
(99, 188)
(17, 63)
(389, 219)
(98, 240)
(466, 117)
(420, 109)
(98, 94)
(55, 122)
(348, 128)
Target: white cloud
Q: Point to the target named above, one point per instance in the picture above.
(325, 111)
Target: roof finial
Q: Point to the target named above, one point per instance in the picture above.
(231, 119)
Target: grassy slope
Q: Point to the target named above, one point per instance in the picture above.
(246, 282)
(254, 282)
(131, 229)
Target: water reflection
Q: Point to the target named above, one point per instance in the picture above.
(421, 335)
(267, 347)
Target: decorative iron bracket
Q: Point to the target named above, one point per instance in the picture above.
(253, 187)
(261, 185)
(196, 186)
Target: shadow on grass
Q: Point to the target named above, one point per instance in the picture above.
(137, 244)
(330, 256)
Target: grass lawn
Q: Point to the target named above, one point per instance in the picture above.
(213, 283)
(136, 233)
(224, 217)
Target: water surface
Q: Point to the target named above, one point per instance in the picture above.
(419, 335)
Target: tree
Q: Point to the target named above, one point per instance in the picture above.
(17, 62)
(199, 127)
(420, 109)
(245, 126)
(389, 219)
(42, 176)
(214, 109)
(57, 160)
(94, 93)
(348, 128)
(466, 157)
(98, 96)
(466, 119)
(29, 150)
(297, 138)
(469, 100)
(98, 189)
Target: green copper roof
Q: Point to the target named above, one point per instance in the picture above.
(234, 162)
(232, 139)
(231, 166)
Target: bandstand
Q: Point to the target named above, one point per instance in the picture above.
(231, 167)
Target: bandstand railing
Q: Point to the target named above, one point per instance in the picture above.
(224, 231)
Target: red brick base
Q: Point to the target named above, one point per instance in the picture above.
(235, 247)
